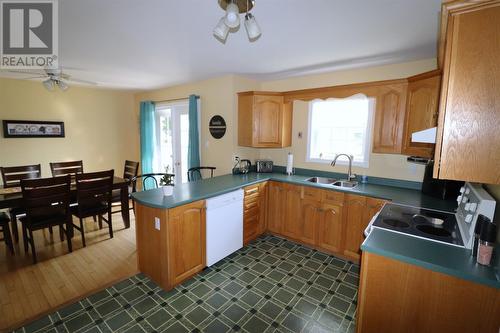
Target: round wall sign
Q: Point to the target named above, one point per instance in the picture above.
(217, 127)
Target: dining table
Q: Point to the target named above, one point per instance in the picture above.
(13, 198)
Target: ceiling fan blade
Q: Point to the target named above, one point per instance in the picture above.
(82, 81)
(26, 72)
(35, 77)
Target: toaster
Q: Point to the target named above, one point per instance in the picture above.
(264, 166)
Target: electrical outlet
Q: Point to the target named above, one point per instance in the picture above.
(157, 223)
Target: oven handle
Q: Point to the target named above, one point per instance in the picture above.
(369, 227)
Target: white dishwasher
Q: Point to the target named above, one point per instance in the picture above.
(224, 225)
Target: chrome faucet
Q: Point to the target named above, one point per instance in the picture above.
(350, 175)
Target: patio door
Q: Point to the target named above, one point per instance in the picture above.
(172, 134)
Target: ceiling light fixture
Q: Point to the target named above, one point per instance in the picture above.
(231, 19)
(49, 84)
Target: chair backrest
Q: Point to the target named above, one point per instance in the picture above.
(11, 176)
(130, 170)
(149, 180)
(46, 198)
(66, 168)
(94, 189)
(195, 173)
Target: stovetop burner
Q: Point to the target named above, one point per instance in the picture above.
(418, 222)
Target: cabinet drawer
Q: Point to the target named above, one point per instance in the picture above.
(249, 190)
(250, 228)
(312, 193)
(333, 197)
(254, 211)
(251, 204)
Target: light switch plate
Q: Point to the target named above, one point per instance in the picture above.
(157, 223)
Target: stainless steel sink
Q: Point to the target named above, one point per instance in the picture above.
(321, 180)
(345, 183)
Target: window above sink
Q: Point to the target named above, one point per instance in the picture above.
(340, 125)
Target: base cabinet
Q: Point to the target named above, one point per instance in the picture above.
(360, 211)
(254, 211)
(330, 227)
(186, 230)
(174, 250)
(398, 297)
(328, 220)
(276, 208)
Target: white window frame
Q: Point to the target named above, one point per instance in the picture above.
(176, 151)
(369, 127)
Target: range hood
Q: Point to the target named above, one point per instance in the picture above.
(425, 136)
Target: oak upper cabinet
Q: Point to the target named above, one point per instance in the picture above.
(468, 137)
(276, 207)
(421, 111)
(264, 120)
(186, 232)
(389, 119)
(254, 215)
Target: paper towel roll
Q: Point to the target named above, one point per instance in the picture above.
(289, 164)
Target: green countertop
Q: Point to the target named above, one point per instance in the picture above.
(438, 257)
(203, 189)
(447, 259)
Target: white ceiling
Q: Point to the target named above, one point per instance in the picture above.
(144, 44)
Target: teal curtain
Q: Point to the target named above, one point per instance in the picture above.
(147, 119)
(194, 136)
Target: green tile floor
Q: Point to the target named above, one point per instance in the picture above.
(271, 285)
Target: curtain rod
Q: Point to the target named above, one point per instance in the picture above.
(175, 99)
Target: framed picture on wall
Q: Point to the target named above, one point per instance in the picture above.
(33, 129)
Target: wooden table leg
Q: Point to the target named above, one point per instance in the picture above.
(13, 220)
(125, 205)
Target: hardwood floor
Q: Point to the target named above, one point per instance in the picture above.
(28, 291)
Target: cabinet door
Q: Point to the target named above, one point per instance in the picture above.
(276, 202)
(389, 119)
(267, 120)
(186, 241)
(330, 228)
(263, 189)
(468, 140)
(310, 219)
(355, 224)
(373, 206)
(421, 111)
(292, 226)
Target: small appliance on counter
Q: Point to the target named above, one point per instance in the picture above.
(242, 166)
(264, 166)
(450, 228)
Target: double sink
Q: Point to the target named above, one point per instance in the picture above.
(334, 182)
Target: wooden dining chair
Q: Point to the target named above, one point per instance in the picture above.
(46, 201)
(148, 181)
(130, 171)
(5, 230)
(195, 173)
(93, 194)
(11, 177)
(71, 168)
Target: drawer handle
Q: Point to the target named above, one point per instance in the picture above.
(253, 190)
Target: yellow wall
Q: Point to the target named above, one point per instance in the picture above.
(381, 165)
(217, 97)
(101, 126)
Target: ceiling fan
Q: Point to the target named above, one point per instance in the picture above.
(53, 77)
